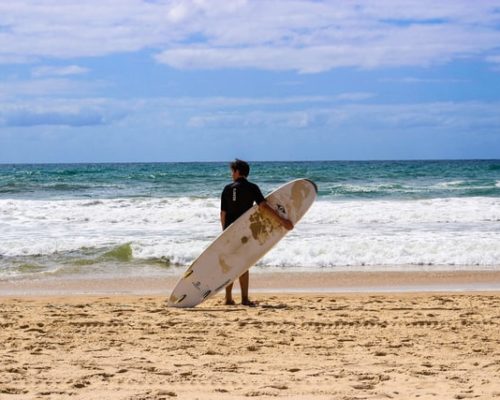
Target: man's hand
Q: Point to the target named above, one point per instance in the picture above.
(287, 224)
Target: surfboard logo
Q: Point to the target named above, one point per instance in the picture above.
(281, 209)
(196, 284)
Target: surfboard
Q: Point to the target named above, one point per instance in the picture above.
(242, 244)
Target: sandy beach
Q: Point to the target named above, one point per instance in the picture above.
(293, 346)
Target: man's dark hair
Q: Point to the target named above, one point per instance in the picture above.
(241, 166)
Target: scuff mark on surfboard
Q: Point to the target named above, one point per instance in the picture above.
(261, 227)
(225, 268)
(299, 193)
(244, 239)
(172, 299)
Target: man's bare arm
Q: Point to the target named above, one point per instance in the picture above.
(287, 224)
(223, 218)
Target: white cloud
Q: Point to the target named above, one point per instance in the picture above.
(46, 87)
(62, 112)
(254, 119)
(304, 35)
(74, 29)
(415, 80)
(470, 117)
(495, 60)
(27, 118)
(225, 102)
(385, 46)
(59, 71)
(355, 96)
(39, 109)
(38, 87)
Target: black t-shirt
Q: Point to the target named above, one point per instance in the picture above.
(238, 197)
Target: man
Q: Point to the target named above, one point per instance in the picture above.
(238, 197)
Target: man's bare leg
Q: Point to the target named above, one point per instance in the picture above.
(229, 295)
(244, 283)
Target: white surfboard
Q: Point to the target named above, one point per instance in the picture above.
(242, 244)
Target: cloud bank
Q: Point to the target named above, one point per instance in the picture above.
(308, 36)
(472, 117)
(327, 114)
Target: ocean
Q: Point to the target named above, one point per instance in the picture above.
(150, 219)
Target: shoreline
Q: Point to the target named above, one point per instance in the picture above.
(266, 282)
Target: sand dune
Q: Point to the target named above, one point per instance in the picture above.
(296, 346)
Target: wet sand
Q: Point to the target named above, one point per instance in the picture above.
(293, 346)
(274, 282)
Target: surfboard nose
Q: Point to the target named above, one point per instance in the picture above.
(314, 184)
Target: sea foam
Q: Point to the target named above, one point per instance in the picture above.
(347, 234)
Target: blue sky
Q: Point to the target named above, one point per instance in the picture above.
(194, 80)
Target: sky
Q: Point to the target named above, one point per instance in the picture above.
(211, 80)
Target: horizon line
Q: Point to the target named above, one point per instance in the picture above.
(250, 161)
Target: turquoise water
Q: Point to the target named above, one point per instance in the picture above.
(154, 219)
(336, 180)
